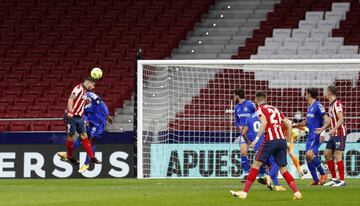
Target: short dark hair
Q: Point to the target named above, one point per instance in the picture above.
(240, 93)
(89, 78)
(314, 93)
(260, 95)
(332, 89)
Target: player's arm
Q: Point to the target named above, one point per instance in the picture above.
(287, 124)
(261, 131)
(326, 125)
(244, 134)
(340, 116)
(301, 124)
(70, 105)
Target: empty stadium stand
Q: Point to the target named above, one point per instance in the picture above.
(294, 25)
(223, 29)
(47, 46)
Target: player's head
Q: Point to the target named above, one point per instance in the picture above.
(311, 93)
(239, 94)
(331, 92)
(298, 117)
(94, 98)
(260, 98)
(89, 83)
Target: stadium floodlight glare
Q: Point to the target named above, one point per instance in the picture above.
(186, 129)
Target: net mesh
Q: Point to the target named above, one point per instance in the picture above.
(187, 111)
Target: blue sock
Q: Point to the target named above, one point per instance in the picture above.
(313, 173)
(262, 171)
(274, 170)
(87, 161)
(317, 164)
(77, 143)
(245, 164)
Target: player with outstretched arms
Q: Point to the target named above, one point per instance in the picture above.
(243, 109)
(74, 121)
(275, 145)
(315, 118)
(336, 144)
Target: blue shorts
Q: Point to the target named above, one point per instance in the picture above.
(74, 124)
(276, 148)
(95, 130)
(313, 144)
(336, 143)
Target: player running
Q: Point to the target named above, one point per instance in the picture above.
(275, 144)
(315, 118)
(249, 133)
(96, 116)
(243, 109)
(74, 121)
(336, 143)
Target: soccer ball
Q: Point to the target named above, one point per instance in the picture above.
(96, 73)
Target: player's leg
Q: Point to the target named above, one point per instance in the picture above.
(312, 159)
(328, 154)
(339, 150)
(295, 159)
(245, 163)
(81, 129)
(281, 159)
(311, 166)
(70, 129)
(273, 173)
(262, 155)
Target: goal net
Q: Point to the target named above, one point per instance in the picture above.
(185, 111)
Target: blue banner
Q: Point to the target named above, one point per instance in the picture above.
(223, 160)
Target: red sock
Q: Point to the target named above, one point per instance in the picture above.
(87, 146)
(69, 147)
(331, 166)
(250, 179)
(290, 181)
(340, 165)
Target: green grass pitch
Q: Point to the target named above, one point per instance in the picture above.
(173, 192)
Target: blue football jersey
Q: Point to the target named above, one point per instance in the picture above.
(253, 123)
(243, 111)
(96, 111)
(314, 118)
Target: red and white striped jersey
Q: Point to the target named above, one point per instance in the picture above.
(274, 118)
(334, 109)
(80, 98)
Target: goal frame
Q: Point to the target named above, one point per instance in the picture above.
(139, 83)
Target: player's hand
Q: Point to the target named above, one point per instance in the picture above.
(252, 145)
(87, 123)
(332, 132)
(318, 130)
(70, 115)
(109, 119)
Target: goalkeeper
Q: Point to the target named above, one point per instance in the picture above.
(296, 134)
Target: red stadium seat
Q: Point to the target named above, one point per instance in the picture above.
(57, 126)
(18, 126)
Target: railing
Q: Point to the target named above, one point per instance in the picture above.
(31, 120)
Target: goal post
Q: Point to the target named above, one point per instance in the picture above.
(185, 114)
